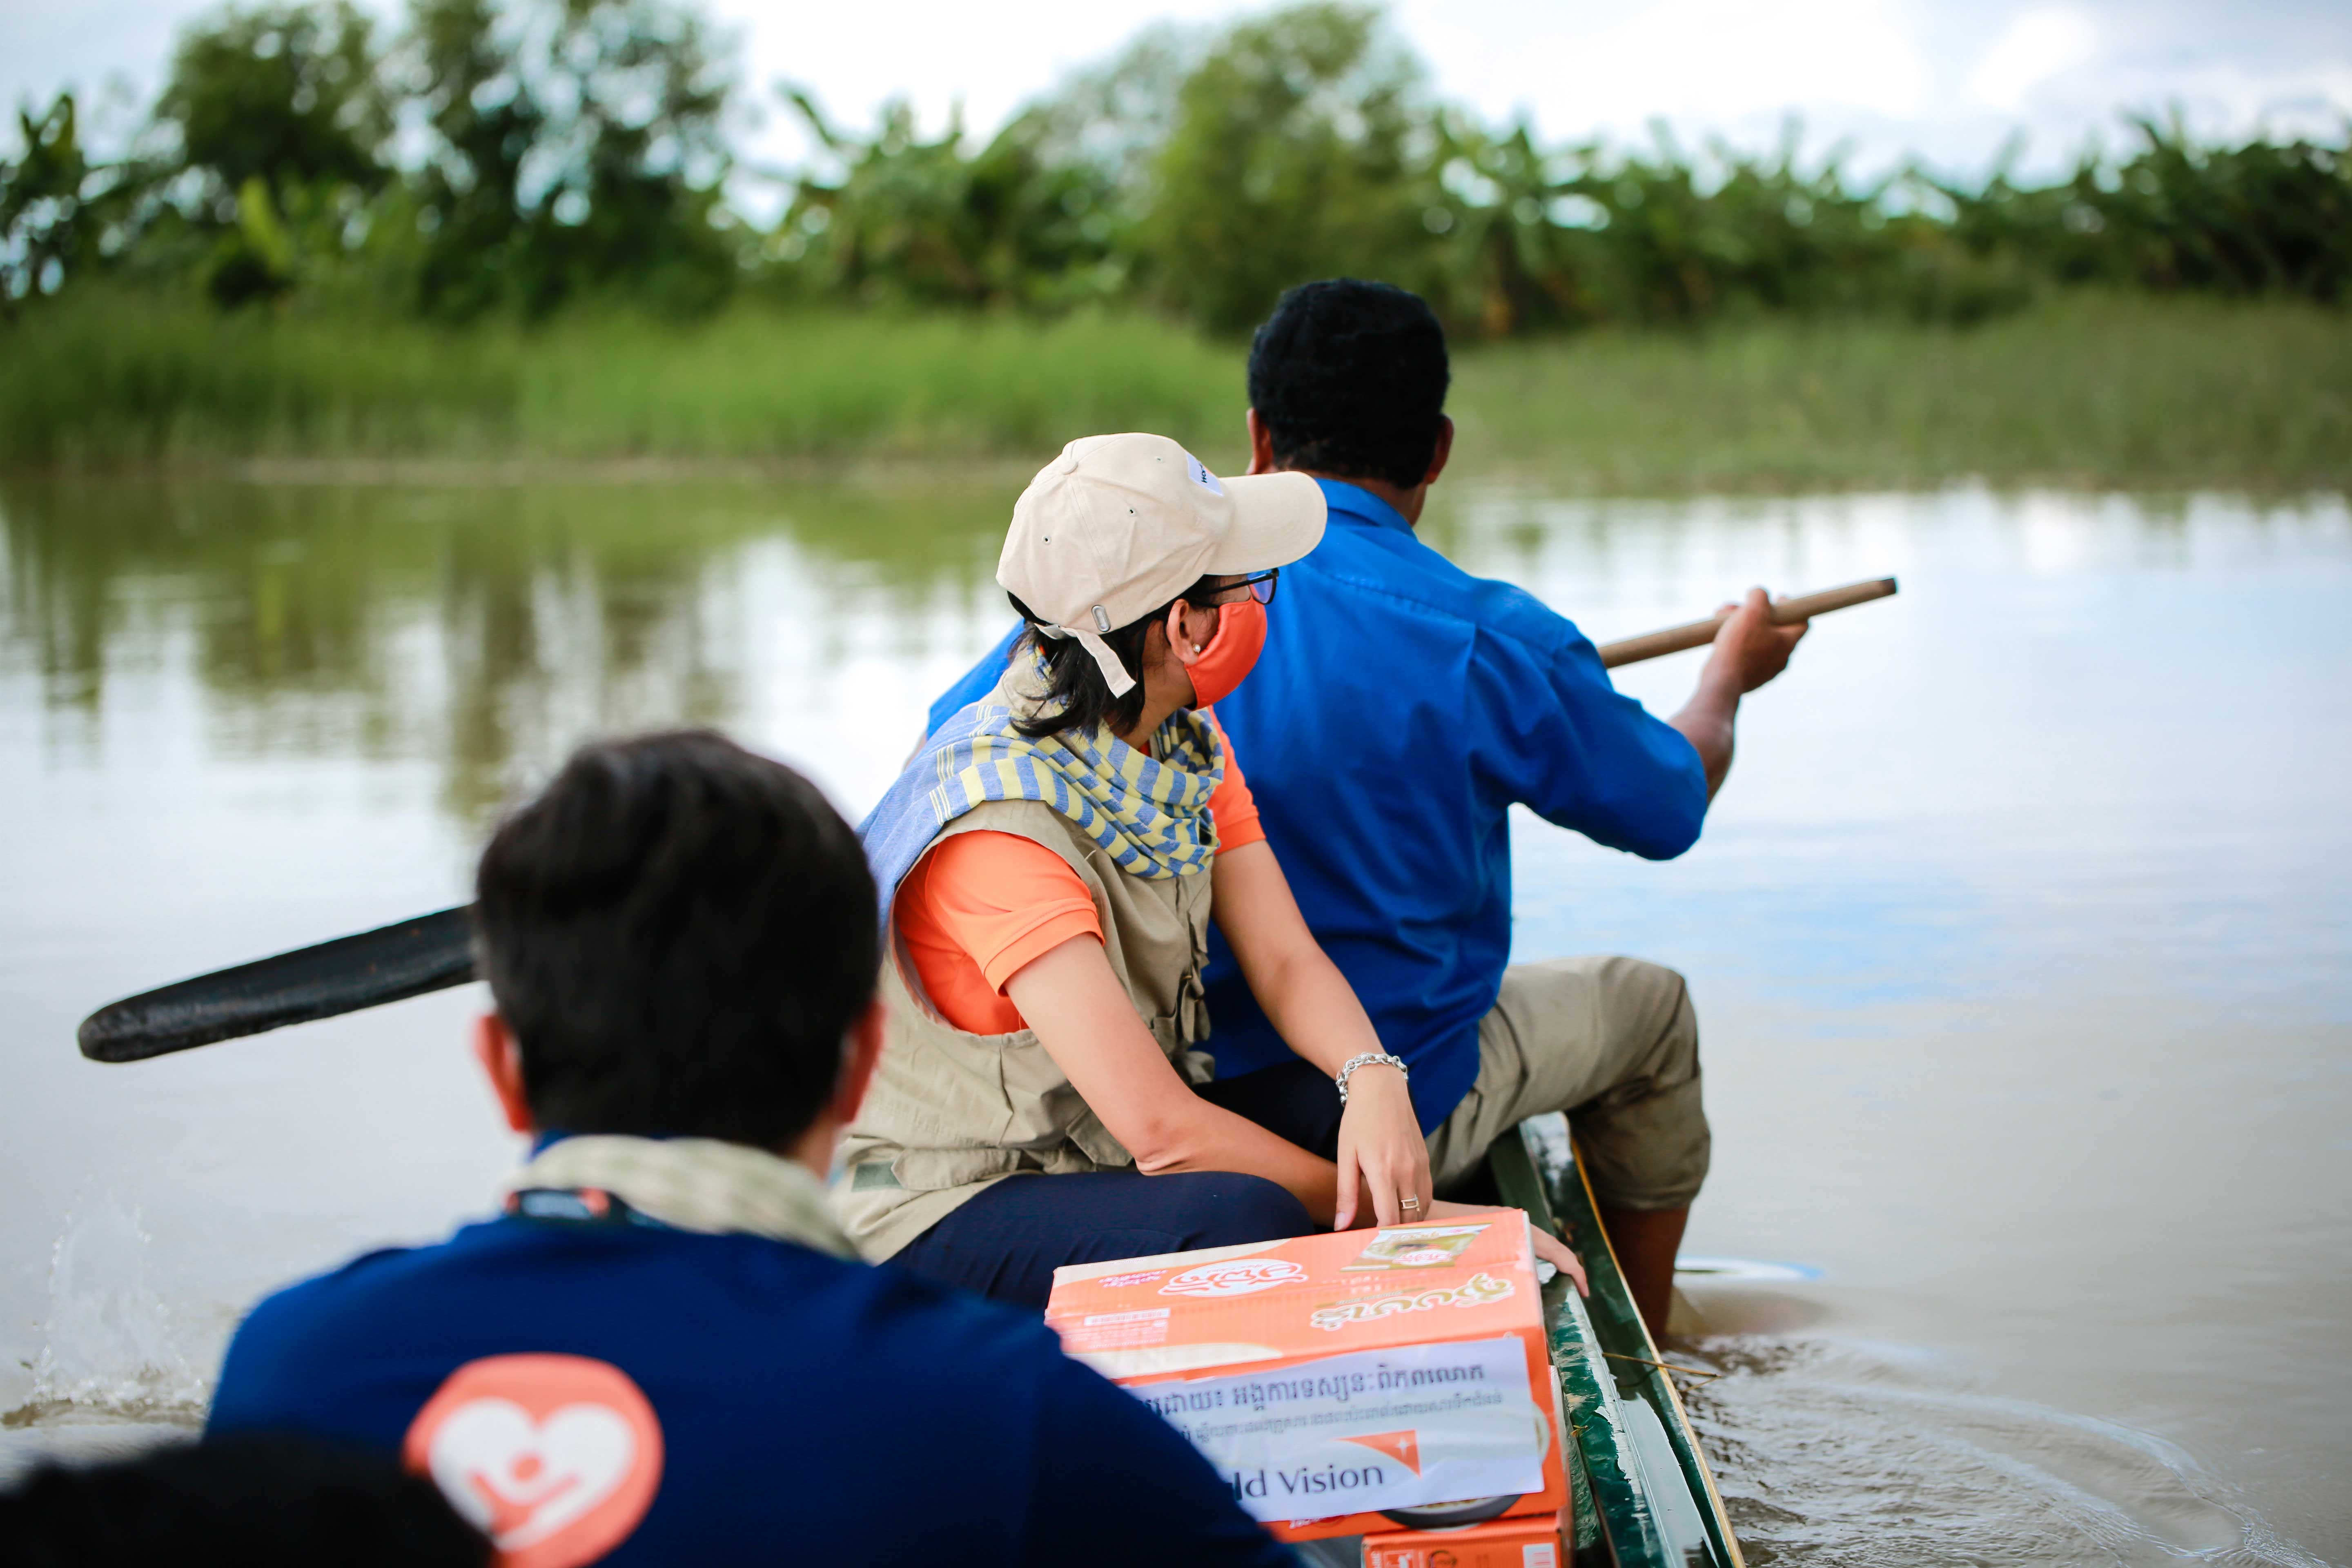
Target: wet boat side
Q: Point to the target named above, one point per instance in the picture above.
(1642, 1495)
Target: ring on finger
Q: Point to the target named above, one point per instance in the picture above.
(1410, 1202)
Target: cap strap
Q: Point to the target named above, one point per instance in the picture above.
(1113, 671)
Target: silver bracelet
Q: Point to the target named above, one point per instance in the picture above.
(1370, 1059)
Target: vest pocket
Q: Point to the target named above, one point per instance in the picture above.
(1096, 1143)
(935, 1170)
(1179, 1035)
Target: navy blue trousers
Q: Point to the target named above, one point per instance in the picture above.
(1007, 1242)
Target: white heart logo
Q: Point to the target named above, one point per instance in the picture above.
(555, 1458)
(521, 1481)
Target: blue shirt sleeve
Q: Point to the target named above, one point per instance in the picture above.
(976, 683)
(250, 1392)
(1117, 1484)
(283, 1373)
(1576, 750)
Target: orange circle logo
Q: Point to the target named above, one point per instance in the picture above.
(554, 1458)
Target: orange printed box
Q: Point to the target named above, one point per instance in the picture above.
(1346, 1383)
(1500, 1543)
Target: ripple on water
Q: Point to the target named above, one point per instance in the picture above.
(1846, 1454)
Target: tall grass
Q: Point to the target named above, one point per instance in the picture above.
(2087, 387)
(105, 379)
(842, 384)
(2091, 388)
(101, 381)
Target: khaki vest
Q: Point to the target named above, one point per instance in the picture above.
(950, 1114)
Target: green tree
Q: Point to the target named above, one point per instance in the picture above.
(577, 147)
(2255, 219)
(1044, 216)
(51, 206)
(912, 221)
(470, 216)
(1302, 148)
(285, 93)
(1674, 239)
(1511, 263)
(557, 152)
(279, 111)
(1111, 121)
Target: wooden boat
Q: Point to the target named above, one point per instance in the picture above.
(1642, 1492)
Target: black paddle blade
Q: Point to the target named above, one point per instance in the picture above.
(339, 976)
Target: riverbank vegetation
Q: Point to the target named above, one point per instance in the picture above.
(518, 229)
(2109, 389)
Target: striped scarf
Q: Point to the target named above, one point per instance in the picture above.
(1149, 813)
(694, 1183)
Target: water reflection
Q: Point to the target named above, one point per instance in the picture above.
(2022, 935)
(487, 629)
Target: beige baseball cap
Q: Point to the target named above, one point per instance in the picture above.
(1118, 525)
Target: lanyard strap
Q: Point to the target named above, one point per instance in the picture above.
(578, 1206)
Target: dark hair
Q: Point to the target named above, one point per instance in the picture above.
(1077, 695)
(248, 1502)
(1349, 379)
(679, 933)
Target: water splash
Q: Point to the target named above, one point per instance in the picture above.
(108, 1352)
(1841, 1453)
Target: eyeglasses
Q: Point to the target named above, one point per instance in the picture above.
(1260, 586)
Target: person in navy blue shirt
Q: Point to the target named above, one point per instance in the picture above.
(1400, 709)
(663, 1350)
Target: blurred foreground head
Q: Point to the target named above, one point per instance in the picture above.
(678, 935)
(1349, 379)
(255, 1503)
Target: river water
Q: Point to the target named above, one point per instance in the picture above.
(2022, 937)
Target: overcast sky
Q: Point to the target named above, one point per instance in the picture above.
(1950, 79)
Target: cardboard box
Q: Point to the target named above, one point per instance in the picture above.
(1343, 1382)
(1500, 1543)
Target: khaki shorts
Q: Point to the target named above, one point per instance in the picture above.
(1614, 1044)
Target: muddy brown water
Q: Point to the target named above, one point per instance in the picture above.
(2021, 936)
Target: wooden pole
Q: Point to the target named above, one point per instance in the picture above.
(1785, 613)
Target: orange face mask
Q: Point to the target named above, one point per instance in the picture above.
(1228, 656)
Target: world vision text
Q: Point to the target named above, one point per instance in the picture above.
(1304, 1481)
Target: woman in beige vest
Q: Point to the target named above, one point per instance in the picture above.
(1049, 862)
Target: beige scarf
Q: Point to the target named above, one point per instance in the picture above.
(694, 1183)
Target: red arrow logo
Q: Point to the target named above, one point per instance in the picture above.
(1402, 1446)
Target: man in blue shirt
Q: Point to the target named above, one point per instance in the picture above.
(664, 1350)
(1400, 709)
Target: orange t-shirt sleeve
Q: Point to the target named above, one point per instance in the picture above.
(976, 910)
(1231, 805)
(981, 906)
